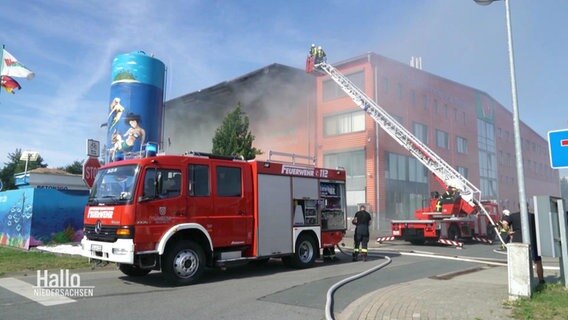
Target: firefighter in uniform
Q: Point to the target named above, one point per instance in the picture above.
(448, 197)
(313, 50)
(362, 221)
(320, 55)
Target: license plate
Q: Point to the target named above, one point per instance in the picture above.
(96, 247)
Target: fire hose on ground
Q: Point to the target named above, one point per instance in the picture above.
(329, 297)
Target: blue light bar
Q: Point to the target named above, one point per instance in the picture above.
(151, 149)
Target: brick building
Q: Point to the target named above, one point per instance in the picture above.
(294, 112)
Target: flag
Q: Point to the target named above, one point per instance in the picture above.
(9, 84)
(13, 68)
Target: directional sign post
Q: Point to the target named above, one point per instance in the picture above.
(558, 146)
(90, 168)
(93, 148)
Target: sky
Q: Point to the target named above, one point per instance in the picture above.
(70, 45)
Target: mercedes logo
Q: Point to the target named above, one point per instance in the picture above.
(98, 226)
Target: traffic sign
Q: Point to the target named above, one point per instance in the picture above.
(90, 168)
(93, 148)
(558, 146)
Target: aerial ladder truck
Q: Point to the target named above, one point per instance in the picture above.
(444, 220)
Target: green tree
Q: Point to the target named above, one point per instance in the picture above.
(233, 136)
(75, 168)
(15, 165)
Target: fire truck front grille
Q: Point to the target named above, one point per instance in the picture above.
(106, 233)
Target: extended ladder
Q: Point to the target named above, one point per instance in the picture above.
(417, 148)
(446, 173)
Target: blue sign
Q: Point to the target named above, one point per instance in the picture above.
(558, 146)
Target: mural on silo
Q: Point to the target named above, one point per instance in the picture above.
(136, 104)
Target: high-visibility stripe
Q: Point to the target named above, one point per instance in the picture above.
(356, 250)
(364, 250)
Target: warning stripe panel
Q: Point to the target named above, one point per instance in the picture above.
(381, 239)
(451, 242)
(482, 240)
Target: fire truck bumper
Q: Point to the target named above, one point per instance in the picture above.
(121, 251)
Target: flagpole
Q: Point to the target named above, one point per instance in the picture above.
(1, 64)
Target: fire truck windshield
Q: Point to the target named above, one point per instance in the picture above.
(114, 186)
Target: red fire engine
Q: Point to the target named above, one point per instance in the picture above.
(460, 214)
(180, 214)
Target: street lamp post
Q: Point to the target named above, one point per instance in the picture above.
(516, 127)
(28, 156)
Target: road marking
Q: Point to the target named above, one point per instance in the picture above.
(26, 290)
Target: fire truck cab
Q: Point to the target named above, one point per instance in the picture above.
(183, 213)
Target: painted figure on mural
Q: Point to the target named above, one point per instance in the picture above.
(117, 109)
(116, 144)
(133, 134)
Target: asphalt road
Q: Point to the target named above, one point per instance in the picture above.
(270, 291)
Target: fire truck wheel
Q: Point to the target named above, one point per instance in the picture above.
(453, 232)
(132, 270)
(184, 263)
(305, 255)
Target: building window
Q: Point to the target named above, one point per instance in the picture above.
(442, 139)
(463, 171)
(417, 172)
(355, 168)
(420, 132)
(396, 167)
(461, 145)
(406, 186)
(332, 91)
(344, 123)
(398, 119)
(425, 102)
(487, 158)
(400, 93)
(385, 85)
(404, 168)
